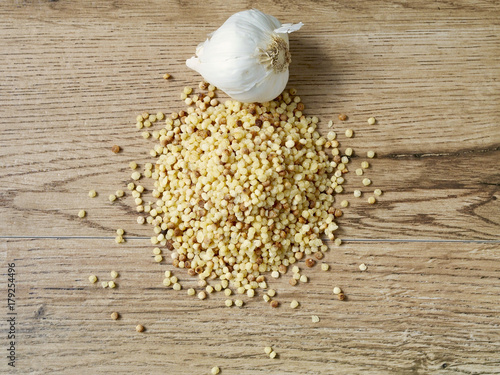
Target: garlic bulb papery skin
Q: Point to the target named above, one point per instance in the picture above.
(247, 57)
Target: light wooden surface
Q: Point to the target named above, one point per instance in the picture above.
(75, 74)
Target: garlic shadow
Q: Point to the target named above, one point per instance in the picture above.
(313, 71)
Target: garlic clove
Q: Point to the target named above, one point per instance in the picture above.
(225, 76)
(226, 59)
(263, 91)
(247, 57)
(256, 20)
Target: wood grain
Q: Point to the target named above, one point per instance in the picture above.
(437, 197)
(419, 307)
(74, 75)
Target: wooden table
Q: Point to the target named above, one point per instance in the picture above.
(74, 75)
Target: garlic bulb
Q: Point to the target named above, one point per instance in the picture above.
(247, 57)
